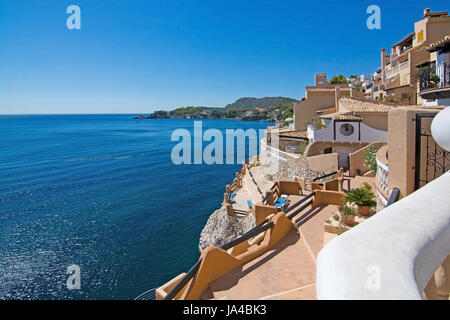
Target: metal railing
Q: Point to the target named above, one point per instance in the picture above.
(295, 205)
(324, 176)
(261, 227)
(254, 181)
(249, 234)
(437, 77)
(180, 285)
(264, 200)
(296, 212)
(147, 295)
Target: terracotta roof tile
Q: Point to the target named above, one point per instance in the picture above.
(439, 44)
(365, 106)
(349, 116)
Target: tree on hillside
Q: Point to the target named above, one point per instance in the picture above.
(338, 79)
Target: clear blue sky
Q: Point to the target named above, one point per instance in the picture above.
(136, 56)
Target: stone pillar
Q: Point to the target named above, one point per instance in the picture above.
(337, 96)
(383, 58)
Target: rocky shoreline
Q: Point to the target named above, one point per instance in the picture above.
(222, 228)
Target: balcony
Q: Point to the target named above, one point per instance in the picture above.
(382, 171)
(395, 71)
(400, 253)
(435, 83)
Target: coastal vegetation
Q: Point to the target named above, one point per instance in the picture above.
(338, 79)
(247, 109)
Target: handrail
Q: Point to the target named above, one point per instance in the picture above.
(267, 193)
(394, 197)
(264, 200)
(303, 207)
(149, 293)
(299, 202)
(180, 285)
(261, 227)
(254, 181)
(191, 273)
(324, 176)
(249, 234)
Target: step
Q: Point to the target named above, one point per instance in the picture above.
(280, 273)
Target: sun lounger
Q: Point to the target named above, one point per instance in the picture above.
(231, 196)
(281, 201)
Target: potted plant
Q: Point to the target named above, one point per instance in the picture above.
(363, 197)
(348, 214)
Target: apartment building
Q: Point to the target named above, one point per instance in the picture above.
(434, 76)
(319, 98)
(398, 77)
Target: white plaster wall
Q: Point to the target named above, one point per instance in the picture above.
(325, 134)
(401, 246)
(369, 134)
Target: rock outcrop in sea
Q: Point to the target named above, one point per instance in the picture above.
(222, 228)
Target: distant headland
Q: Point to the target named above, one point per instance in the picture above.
(275, 109)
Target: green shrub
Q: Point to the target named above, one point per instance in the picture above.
(302, 146)
(362, 196)
(345, 209)
(370, 158)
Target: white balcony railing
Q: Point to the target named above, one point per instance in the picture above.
(395, 253)
(382, 176)
(394, 71)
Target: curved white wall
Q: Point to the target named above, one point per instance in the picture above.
(401, 246)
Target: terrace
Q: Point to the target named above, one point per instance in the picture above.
(277, 258)
(435, 83)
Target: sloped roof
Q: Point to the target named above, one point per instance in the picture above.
(327, 110)
(352, 108)
(407, 38)
(355, 105)
(295, 134)
(439, 44)
(349, 116)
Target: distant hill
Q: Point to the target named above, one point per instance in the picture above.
(251, 103)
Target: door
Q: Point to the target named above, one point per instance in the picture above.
(343, 161)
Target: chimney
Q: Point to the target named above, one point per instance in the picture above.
(320, 79)
(337, 96)
(383, 58)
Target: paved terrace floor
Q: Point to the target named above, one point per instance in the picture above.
(288, 270)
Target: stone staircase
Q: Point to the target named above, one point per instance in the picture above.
(287, 271)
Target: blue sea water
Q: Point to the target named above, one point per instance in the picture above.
(101, 192)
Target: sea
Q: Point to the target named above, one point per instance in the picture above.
(92, 206)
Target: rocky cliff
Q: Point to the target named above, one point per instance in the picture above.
(222, 228)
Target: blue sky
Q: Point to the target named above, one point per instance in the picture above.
(137, 56)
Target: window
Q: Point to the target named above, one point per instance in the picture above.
(420, 36)
(347, 129)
